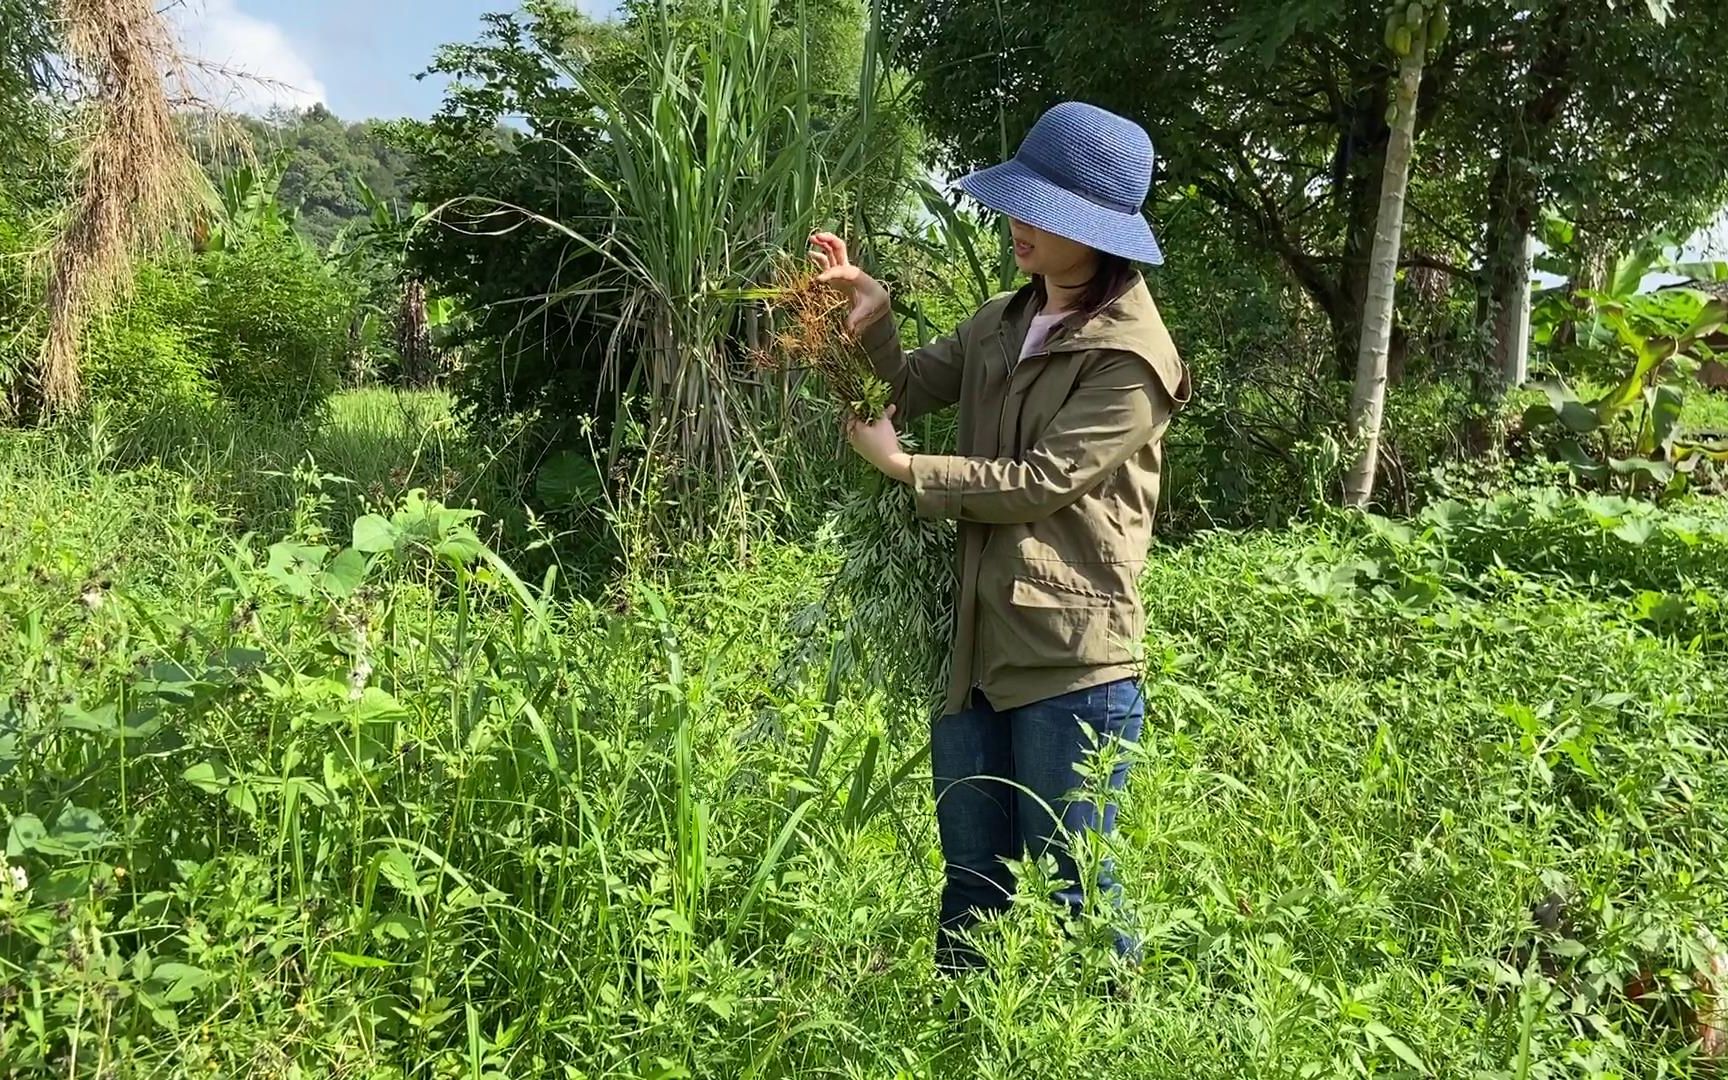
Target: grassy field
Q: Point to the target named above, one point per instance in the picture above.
(292, 788)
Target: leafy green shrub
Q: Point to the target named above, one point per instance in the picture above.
(276, 318)
(150, 355)
(259, 328)
(1669, 564)
(143, 368)
(1424, 426)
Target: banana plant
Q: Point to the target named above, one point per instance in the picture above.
(379, 236)
(246, 205)
(1594, 438)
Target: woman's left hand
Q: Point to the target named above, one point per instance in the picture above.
(879, 444)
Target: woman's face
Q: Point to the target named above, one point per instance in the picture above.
(1053, 257)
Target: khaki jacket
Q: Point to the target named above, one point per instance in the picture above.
(1055, 486)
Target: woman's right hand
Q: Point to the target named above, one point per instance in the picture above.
(869, 298)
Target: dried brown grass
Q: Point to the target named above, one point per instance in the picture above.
(138, 184)
(808, 332)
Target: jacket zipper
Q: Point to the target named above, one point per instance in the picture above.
(1001, 418)
(1009, 370)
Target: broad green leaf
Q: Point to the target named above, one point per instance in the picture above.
(1636, 531)
(1562, 407)
(26, 832)
(1660, 608)
(289, 564)
(1658, 471)
(1709, 320)
(168, 679)
(1684, 450)
(78, 829)
(397, 867)
(400, 926)
(101, 720)
(241, 797)
(181, 981)
(345, 572)
(568, 480)
(241, 660)
(374, 535)
(210, 777)
(300, 787)
(460, 548)
(1652, 355)
(1665, 417)
(354, 960)
(377, 705)
(1630, 270)
(1581, 463)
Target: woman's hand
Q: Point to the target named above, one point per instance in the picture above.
(879, 444)
(869, 298)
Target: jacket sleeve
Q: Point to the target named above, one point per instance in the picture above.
(1119, 407)
(922, 381)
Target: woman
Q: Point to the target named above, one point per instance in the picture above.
(1064, 390)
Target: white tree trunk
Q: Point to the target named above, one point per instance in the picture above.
(1515, 366)
(1368, 400)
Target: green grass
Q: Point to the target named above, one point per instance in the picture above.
(1705, 413)
(291, 810)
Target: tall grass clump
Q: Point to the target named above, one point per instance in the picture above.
(718, 155)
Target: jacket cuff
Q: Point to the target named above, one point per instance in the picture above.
(934, 491)
(881, 341)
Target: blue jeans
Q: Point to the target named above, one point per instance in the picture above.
(983, 821)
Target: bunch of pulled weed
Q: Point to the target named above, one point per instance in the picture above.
(808, 333)
(887, 616)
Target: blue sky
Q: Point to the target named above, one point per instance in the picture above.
(358, 57)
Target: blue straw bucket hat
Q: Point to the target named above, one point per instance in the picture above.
(1082, 173)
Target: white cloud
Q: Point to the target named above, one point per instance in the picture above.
(247, 64)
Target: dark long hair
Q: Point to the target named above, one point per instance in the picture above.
(1107, 283)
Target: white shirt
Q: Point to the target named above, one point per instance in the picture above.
(1039, 332)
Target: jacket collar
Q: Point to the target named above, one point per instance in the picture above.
(1130, 323)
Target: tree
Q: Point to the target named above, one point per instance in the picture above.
(1411, 31)
(506, 145)
(323, 161)
(1606, 115)
(1275, 112)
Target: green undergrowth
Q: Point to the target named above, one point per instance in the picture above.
(354, 798)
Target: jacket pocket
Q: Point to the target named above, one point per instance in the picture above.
(1061, 624)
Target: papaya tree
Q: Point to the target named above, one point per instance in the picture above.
(1411, 30)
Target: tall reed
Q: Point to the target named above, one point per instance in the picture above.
(719, 155)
